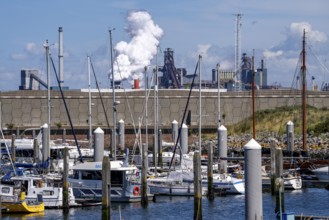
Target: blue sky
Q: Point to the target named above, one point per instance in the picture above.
(272, 28)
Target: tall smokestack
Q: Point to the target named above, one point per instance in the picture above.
(60, 56)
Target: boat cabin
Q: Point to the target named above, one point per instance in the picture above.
(90, 174)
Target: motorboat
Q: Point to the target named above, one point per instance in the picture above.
(25, 180)
(86, 182)
(21, 205)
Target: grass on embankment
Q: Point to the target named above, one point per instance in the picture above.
(275, 120)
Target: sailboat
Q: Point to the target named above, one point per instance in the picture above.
(292, 179)
(224, 182)
(178, 182)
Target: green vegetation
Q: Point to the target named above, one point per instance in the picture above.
(275, 120)
(58, 125)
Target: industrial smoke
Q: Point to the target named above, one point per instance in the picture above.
(132, 57)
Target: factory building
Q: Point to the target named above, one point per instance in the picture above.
(30, 80)
(260, 77)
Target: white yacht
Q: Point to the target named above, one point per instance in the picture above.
(322, 173)
(174, 184)
(226, 183)
(291, 179)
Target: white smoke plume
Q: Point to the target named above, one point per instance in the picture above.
(132, 57)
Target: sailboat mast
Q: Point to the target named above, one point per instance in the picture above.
(218, 93)
(46, 46)
(155, 145)
(253, 96)
(304, 92)
(200, 116)
(114, 147)
(89, 105)
(144, 199)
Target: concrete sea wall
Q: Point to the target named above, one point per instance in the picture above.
(25, 109)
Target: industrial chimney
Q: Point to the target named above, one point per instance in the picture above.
(60, 56)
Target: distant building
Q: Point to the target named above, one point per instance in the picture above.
(171, 77)
(29, 79)
(226, 78)
(260, 76)
(246, 70)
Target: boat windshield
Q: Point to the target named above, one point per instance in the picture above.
(91, 175)
(117, 177)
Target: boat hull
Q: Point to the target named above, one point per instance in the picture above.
(228, 184)
(89, 195)
(293, 183)
(22, 207)
(322, 173)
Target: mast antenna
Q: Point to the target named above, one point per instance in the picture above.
(237, 78)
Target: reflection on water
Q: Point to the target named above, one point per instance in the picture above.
(23, 216)
(308, 201)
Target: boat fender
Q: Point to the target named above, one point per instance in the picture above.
(136, 191)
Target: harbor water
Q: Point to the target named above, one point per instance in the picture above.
(306, 202)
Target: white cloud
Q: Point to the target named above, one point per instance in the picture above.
(202, 50)
(31, 50)
(296, 31)
(211, 56)
(283, 60)
(226, 65)
(294, 35)
(272, 54)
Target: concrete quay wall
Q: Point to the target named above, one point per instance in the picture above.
(26, 109)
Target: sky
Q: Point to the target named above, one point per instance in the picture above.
(272, 29)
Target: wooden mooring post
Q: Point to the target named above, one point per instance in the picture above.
(211, 194)
(106, 188)
(36, 151)
(13, 148)
(272, 149)
(279, 185)
(197, 186)
(144, 199)
(66, 196)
